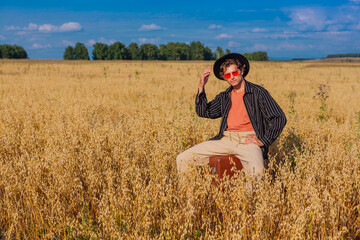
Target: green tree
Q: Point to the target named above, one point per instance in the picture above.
(257, 56)
(184, 50)
(12, 52)
(0, 52)
(117, 51)
(197, 50)
(149, 51)
(261, 56)
(100, 51)
(6, 51)
(227, 51)
(219, 52)
(343, 55)
(81, 52)
(178, 51)
(163, 52)
(134, 51)
(69, 53)
(19, 52)
(208, 55)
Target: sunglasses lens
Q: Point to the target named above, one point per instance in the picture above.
(228, 75)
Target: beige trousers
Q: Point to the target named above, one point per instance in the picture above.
(231, 143)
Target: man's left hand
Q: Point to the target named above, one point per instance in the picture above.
(253, 140)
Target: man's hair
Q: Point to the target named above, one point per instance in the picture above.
(227, 64)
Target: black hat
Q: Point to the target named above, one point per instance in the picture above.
(242, 59)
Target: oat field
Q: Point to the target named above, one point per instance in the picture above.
(87, 151)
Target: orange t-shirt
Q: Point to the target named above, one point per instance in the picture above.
(238, 119)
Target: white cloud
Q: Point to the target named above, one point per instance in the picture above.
(355, 1)
(2, 37)
(335, 27)
(223, 35)
(70, 26)
(233, 44)
(148, 40)
(101, 40)
(308, 18)
(151, 27)
(31, 26)
(48, 28)
(66, 27)
(341, 18)
(338, 36)
(91, 42)
(172, 35)
(255, 30)
(37, 46)
(214, 26)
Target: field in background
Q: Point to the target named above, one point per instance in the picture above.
(87, 151)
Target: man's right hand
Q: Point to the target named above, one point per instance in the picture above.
(203, 79)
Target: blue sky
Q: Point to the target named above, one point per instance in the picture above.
(285, 29)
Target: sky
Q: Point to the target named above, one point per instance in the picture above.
(285, 29)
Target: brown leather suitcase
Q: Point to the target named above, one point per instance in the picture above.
(221, 165)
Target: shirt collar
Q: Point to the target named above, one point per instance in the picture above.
(248, 88)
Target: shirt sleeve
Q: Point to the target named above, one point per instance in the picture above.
(207, 109)
(275, 117)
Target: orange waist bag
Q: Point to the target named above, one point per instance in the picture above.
(222, 165)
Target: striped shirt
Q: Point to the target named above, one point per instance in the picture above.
(265, 114)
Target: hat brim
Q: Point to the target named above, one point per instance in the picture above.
(241, 58)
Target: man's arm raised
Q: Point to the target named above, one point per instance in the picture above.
(203, 108)
(203, 79)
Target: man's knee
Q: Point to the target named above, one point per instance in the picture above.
(187, 159)
(258, 170)
(179, 162)
(255, 169)
(182, 162)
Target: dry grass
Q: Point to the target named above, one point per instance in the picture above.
(87, 151)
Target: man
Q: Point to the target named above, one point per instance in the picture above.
(251, 119)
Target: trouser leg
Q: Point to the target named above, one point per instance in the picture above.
(251, 158)
(232, 143)
(199, 154)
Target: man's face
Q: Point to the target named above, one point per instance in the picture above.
(236, 80)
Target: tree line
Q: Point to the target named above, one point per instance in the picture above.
(171, 51)
(257, 56)
(148, 51)
(118, 51)
(343, 55)
(80, 52)
(12, 52)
